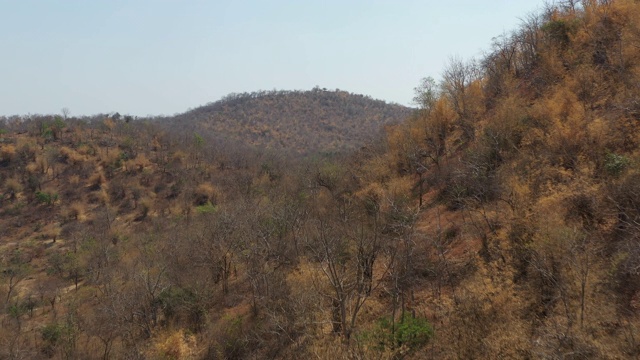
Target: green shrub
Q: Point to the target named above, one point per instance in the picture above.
(206, 208)
(51, 333)
(48, 198)
(615, 164)
(183, 305)
(58, 336)
(409, 333)
(413, 332)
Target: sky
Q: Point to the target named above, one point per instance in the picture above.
(162, 57)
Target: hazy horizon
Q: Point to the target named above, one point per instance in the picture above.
(163, 57)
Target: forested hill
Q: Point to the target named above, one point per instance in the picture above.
(301, 121)
(500, 221)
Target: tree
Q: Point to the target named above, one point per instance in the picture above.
(457, 81)
(346, 256)
(426, 94)
(65, 113)
(15, 268)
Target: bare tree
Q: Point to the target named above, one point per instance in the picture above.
(65, 113)
(457, 79)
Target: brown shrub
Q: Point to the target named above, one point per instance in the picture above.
(204, 194)
(70, 156)
(95, 181)
(7, 153)
(13, 187)
(74, 211)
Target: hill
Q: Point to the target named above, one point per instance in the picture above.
(305, 122)
(501, 220)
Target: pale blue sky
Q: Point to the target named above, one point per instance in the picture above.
(164, 56)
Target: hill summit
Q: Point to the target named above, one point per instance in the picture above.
(300, 121)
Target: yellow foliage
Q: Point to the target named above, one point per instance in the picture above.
(371, 197)
(379, 168)
(398, 192)
(7, 152)
(109, 123)
(32, 167)
(71, 156)
(85, 149)
(13, 186)
(563, 106)
(176, 346)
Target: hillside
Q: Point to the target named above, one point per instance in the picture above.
(297, 121)
(501, 220)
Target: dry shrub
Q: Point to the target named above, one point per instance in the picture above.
(141, 162)
(13, 187)
(583, 208)
(110, 158)
(42, 165)
(205, 193)
(51, 233)
(399, 189)
(378, 168)
(74, 180)
(86, 150)
(7, 153)
(371, 197)
(175, 346)
(474, 178)
(178, 157)
(95, 181)
(117, 189)
(103, 197)
(505, 130)
(70, 156)
(146, 178)
(26, 150)
(74, 211)
(146, 204)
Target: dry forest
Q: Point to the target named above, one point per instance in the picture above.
(499, 220)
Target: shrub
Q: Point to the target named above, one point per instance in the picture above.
(57, 336)
(117, 190)
(74, 211)
(412, 332)
(51, 335)
(207, 208)
(145, 208)
(559, 31)
(47, 197)
(204, 194)
(13, 187)
(183, 305)
(26, 152)
(175, 346)
(615, 164)
(70, 156)
(95, 181)
(7, 154)
(409, 333)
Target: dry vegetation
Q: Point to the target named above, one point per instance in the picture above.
(299, 122)
(501, 221)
